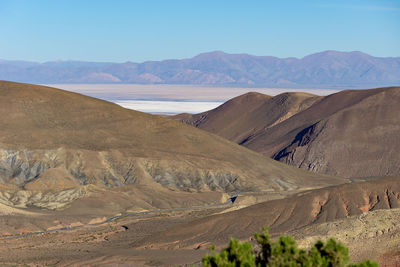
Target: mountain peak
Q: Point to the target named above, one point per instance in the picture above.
(213, 54)
(334, 53)
(327, 69)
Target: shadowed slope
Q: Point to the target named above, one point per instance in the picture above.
(52, 140)
(353, 133)
(350, 133)
(242, 117)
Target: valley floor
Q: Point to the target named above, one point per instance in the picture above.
(124, 242)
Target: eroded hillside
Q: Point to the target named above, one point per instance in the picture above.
(58, 146)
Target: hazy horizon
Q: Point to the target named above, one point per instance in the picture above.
(190, 57)
(172, 99)
(139, 31)
(167, 92)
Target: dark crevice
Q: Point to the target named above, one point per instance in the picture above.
(304, 137)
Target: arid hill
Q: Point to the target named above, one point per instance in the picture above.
(283, 215)
(242, 117)
(71, 164)
(57, 147)
(353, 133)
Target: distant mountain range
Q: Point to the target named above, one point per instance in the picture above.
(329, 69)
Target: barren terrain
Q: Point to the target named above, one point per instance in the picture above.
(367, 224)
(58, 147)
(322, 134)
(87, 182)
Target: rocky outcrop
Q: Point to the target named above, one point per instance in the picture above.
(54, 178)
(21, 167)
(47, 199)
(24, 168)
(196, 179)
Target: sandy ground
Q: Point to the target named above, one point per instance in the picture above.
(372, 235)
(116, 243)
(111, 244)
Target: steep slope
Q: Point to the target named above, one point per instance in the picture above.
(353, 133)
(57, 147)
(283, 215)
(350, 133)
(241, 117)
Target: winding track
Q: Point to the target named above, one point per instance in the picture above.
(113, 218)
(228, 203)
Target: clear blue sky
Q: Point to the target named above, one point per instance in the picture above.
(119, 31)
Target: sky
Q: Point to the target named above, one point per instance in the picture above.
(137, 31)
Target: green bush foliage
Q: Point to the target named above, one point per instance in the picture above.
(283, 252)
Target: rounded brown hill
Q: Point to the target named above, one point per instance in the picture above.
(53, 140)
(353, 133)
(242, 117)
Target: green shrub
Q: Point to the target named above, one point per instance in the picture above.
(236, 254)
(283, 252)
